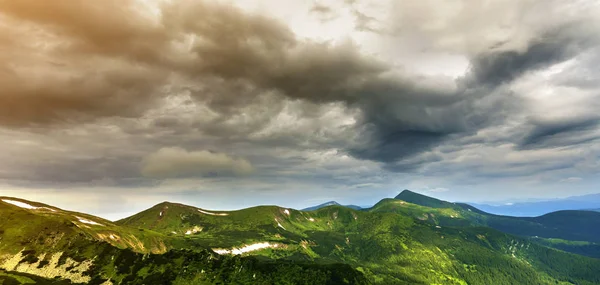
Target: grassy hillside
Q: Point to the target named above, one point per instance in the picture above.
(572, 231)
(48, 242)
(422, 200)
(567, 225)
(394, 242)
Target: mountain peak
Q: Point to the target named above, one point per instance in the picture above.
(404, 193)
(423, 200)
(326, 204)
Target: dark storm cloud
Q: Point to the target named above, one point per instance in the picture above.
(26, 99)
(232, 49)
(402, 143)
(123, 171)
(559, 133)
(230, 59)
(497, 67)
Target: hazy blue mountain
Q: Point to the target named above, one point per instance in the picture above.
(331, 203)
(538, 208)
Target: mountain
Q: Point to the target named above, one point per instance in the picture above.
(578, 231)
(568, 225)
(389, 247)
(538, 208)
(331, 203)
(50, 243)
(394, 242)
(419, 199)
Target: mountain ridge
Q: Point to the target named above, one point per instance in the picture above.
(579, 226)
(537, 208)
(394, 242)
(423, 200)
(57, 244)
(331, 203)
(300, 227)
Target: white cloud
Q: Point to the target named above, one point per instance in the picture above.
(571, 179)
(438, 189)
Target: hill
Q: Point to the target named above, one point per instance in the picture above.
(581, 227)
(419, 199)
(389, 247)
(179, 244)
(50, 244)
(331, 203)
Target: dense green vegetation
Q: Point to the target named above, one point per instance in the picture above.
(423, 200)
(54, 244)
(579, 247)
(394, 242)
(565, 225)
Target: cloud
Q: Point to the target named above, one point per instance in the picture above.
(174, 162)
(497, 67)
(561, 132)
(233, 58)
(571, 179)
(438, 190)
(343, 95)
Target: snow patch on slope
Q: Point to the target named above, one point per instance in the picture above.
(89, 222)
(279, 224)
(287, 212)
(25, 205)
(247, 248)
(214, 214)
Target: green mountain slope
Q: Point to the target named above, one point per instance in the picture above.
(51, 243)
(391, 243)
(422, 200)
(222, 229)
(582, 227)
(395, 242)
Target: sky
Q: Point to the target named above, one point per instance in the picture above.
(109, 107)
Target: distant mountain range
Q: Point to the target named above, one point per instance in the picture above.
(411, 239)
(331, 203)
(538, 208)
(522, 209)
(569, 224)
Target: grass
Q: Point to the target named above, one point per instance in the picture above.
(395, 242)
